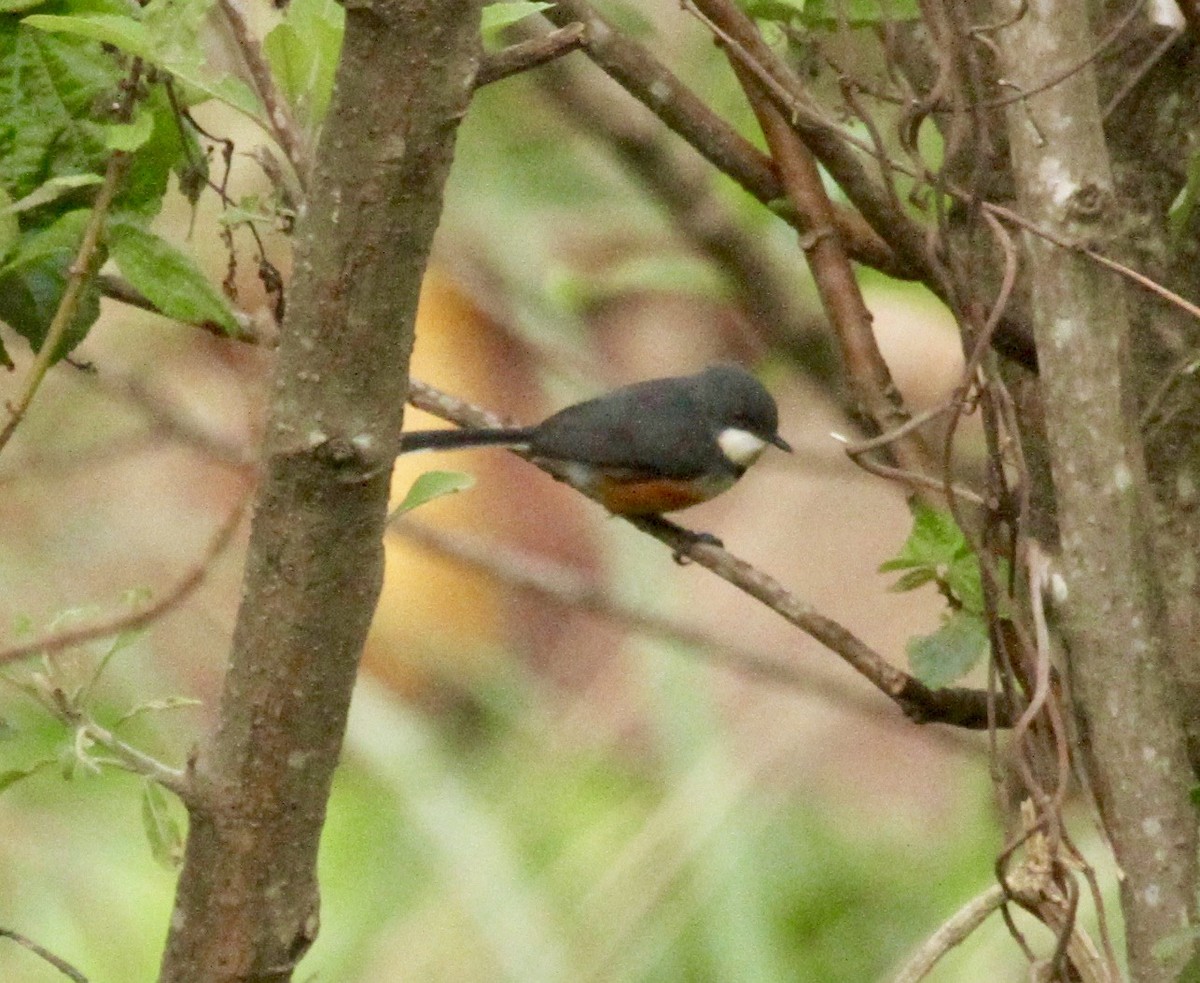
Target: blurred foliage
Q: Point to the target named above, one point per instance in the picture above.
(508, 849)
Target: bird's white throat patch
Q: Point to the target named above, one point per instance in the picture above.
(740, 446)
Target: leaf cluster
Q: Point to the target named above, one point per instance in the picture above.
(936, 552)
(67, 689)
(84, 80)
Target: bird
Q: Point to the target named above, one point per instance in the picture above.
(647, 448)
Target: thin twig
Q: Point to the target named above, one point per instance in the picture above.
(532, 53)
(876, 394)
(562, 585)
(637, 71)
(175, 780)
(64, 967)
(68, 638)
(954, 931)
(284, 129)
(79, 273)
(828, 142)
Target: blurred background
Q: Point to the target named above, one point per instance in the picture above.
(531, 791)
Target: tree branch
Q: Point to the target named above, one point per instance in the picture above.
(71, 637)
(876, 395)
(529, 54)
(64, 967)
(650, 82)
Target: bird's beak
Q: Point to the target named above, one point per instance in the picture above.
(779, 442)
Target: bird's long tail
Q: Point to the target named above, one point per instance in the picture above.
(444, 440)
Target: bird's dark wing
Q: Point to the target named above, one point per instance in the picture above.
(653, 428)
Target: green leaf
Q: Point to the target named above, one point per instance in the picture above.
(17, 6)
(497, 16)
(174, 29)
(130, 136)
(52, 190)
(33, 279)
(934, 543)
(56, 84)
(950, 652)
(50, 87)
(162, 829)
(121, 32)
(167, 148)
(913, 579)
(303, 53)
(935, 535)
(966, 583)
(1194, 795)
(167, 36)
(167, 277)
(431, 485)
(11, 776)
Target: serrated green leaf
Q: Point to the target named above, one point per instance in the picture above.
(173, 29)
(50, 86)
(33, 279)
(431, 485)
(130, 136)
(172, 282)
(121, 32)
(935, 535)
(303, 53)
(950, 652)
(167, 36)
(11, 776)
(162, 829)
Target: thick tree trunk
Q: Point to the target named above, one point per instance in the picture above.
(1114, 619)
(247, 903)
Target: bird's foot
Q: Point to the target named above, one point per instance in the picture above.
(691, 537)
